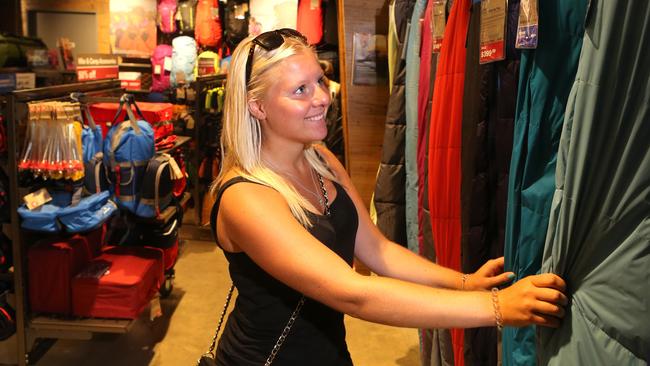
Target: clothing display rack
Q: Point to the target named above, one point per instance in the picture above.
(200, 86)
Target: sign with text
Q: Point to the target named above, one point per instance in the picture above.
(97, 66)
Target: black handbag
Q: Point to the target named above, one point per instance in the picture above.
(208, 358)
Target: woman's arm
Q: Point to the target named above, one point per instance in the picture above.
(389, 259)
(257, 220)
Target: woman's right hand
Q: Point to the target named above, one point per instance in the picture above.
(535, 299)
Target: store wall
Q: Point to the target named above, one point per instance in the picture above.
(99, 7)
(366, 105)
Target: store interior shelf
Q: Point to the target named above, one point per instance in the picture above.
(48, 327)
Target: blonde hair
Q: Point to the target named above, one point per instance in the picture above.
(241, 135)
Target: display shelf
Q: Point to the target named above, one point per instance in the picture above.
(50, 327)
(180, 141)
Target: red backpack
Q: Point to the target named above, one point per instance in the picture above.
(161, 63)
(207, 30)
(167, 16)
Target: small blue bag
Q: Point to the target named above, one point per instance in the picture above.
(89, 213)
(44, 218)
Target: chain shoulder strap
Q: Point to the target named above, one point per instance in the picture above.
(285, 332)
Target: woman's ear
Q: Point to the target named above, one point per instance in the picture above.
(256, 109)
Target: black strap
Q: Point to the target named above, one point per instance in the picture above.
(215, 207)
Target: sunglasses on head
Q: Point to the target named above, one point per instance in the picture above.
(269, 41)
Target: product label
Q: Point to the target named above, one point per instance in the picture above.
(438, 24)
(528, 23)
(167, 64)
(493, 30)
(37, 199)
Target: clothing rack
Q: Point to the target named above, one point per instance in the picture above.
(201, 85)
(28, 328)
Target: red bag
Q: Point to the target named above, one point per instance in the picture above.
(120, 283)
(153, 113)
(310, 20)
(167, 16)
(51, 265)
(207, 31)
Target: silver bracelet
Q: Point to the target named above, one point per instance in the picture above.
(463, 278)
(497, 310)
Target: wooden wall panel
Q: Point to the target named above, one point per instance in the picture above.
(366, 105)
(99, 7)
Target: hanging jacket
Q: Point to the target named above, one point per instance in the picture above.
(435, 344)
(389, 189)
(411, 107)
(444, 148)
(490, 94)
(598, 237)
(545, 78)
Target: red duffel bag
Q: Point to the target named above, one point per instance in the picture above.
(104, 113)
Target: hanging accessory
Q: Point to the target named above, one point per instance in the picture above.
(208, 358)
(497, 310)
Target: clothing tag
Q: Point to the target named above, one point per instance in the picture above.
(155, 308)
(167, 64)
(189, 122)
(493, 30)
(190, 94)
(438, 24)
(37, 199)
(527, 25)
(239, 11)
(180, 77)
(176, 171)
(157, 69)
(314, 4)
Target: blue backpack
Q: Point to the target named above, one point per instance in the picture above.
(128, 147)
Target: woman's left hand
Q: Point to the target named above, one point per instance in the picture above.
(489, 275)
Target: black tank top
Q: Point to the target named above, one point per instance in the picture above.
(264, 304)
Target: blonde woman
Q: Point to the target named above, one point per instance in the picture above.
(290, 222)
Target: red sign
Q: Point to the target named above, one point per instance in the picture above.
(96, 66)
(491, 52)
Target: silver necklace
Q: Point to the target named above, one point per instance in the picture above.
(293, 179)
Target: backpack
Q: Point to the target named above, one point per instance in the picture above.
(157, 187)
(183, 60)
(310, 20)
(236, 22)
(207, 64)
(207, 31)
(167, 16)
(185, 14)
(128, 147)
(161, 63)
(95, 175)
